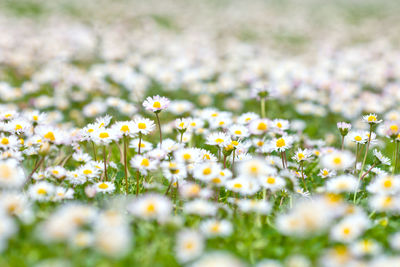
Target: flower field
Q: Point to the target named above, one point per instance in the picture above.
(199, 133)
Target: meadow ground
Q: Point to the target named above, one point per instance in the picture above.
(199, 133)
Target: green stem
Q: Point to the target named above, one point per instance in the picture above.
(105, 162)
(159, 127)
(262, 107)
(94, 151)
(126, 164)
(140, 142)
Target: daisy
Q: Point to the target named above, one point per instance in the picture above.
(385, 203)
(103, 122)
(81, 157)
(151, 206)
(182, 124)
(206, 155)
(380, 159)
(124, 128)
(89, 171)
(344, 128)
(257, 206)
(254, 168)
(57, 172)
(371, 119)
(272, 182)
(213, 228)
(143, 163)
(200, 207)
(144, 145)
(50, 134)
(350, 228)
(206, 171)
(280, 125)
(143, 125)
(342, 183)
(18, 126)
(385, 184)
(11, 174)
(41, 191)
(105, 187)
(259, 126)
(358, 137)
(187, 155)
(219, 139)
(189, 245)
(9, 142)
(337, 160)
(365, 247)
(302, 155)
(104, 136)
(325, 173)
(62, 193)
(174, 170)
(222, 177)
(191, 190)
(156, 103)
(239, 131)
(243, 185)
(248, 117)
(281, 144)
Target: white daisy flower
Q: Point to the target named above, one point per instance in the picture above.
(156, 103)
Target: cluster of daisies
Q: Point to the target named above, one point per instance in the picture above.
(213, 167)
(222, 169)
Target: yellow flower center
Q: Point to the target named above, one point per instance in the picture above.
(41, 191)
(337, 160)
(181, 124)
(4, 141)
(216, 180)
(371, 118)
(238, 132)
(394, 128)
(358, 138)
(271, 180)
(103, 186)
(300, 156)
(219, 140)
(207, 171)
(187, 156)
(325, 172)
(104, 135)
(279, 125)
(156, 104)
(387, 201)
(50, 136)
(387, 184)
(151, 208)
(5, 171)
(280, 142)
(215, 228)
(237, 185)
(262, 126)
(18, 127)
(189, 245)
(145, 162)
(35, 117)
(87, 171)
(142, 125)
(125, 128)
(346, 231)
